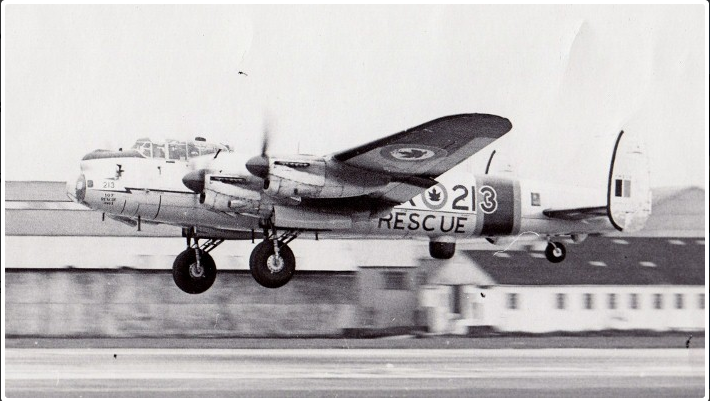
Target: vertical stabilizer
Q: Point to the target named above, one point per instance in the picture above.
(629, 192)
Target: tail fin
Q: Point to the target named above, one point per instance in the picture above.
(629, 192)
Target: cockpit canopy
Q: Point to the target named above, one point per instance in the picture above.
(172, 149)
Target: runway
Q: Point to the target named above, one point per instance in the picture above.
(354, 372)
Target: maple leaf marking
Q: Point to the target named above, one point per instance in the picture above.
(434, 195)
(411, 153)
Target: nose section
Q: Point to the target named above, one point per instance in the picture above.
(76, 188)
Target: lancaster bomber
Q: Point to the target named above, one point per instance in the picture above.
(401, 186)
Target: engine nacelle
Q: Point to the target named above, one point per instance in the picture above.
(223, 196)
(302, 177)
(283, 187)
(226, 203)
(315, 177)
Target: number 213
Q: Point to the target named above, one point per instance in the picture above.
(487, 201)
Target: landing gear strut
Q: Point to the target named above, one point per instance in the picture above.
(272, 262)
(194, 270)
(555, 252)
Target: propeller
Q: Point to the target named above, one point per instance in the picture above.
(259, 165)
(195, 180)
(266, 136)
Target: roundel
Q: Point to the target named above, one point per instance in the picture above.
(435, 197)
(411, 153)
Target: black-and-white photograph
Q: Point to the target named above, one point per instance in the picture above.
(343, 201)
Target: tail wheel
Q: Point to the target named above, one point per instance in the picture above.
(555, 252)
(193, 277)
(271, 270)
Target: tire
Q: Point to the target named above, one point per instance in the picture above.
(183, 277)
(442, 250)
(259, 265)
(552, 255)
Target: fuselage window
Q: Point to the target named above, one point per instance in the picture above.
(158, 151)
(177, 151)
(192, 150)
(206, 149)
(145, 149)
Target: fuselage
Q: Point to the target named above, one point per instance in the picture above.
(461, 206)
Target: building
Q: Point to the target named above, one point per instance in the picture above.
(605, 283)
(653, 280)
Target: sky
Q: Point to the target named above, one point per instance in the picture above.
(327, 78)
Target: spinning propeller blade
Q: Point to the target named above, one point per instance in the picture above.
(259, 165)
(265, 139)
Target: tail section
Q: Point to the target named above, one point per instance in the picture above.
(629, 192)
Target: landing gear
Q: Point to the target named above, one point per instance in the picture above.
(194, 270)
(272, 263)
(555, 252)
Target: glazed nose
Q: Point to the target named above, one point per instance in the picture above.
(76, 188)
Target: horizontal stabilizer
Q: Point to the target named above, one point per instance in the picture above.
(576, 214)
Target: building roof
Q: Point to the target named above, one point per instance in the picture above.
(676, 211)
(455, 271)
(48, 191)
(602, 261)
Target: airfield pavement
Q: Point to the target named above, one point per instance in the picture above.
(429, 367)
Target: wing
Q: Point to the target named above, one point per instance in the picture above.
(414, 157)
(429, 149)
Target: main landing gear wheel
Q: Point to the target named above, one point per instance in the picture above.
(269, 269)
(191, 276)
(555, 252)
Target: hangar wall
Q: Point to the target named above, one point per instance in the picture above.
(146, 303)
(547, 309)
(70, 273)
